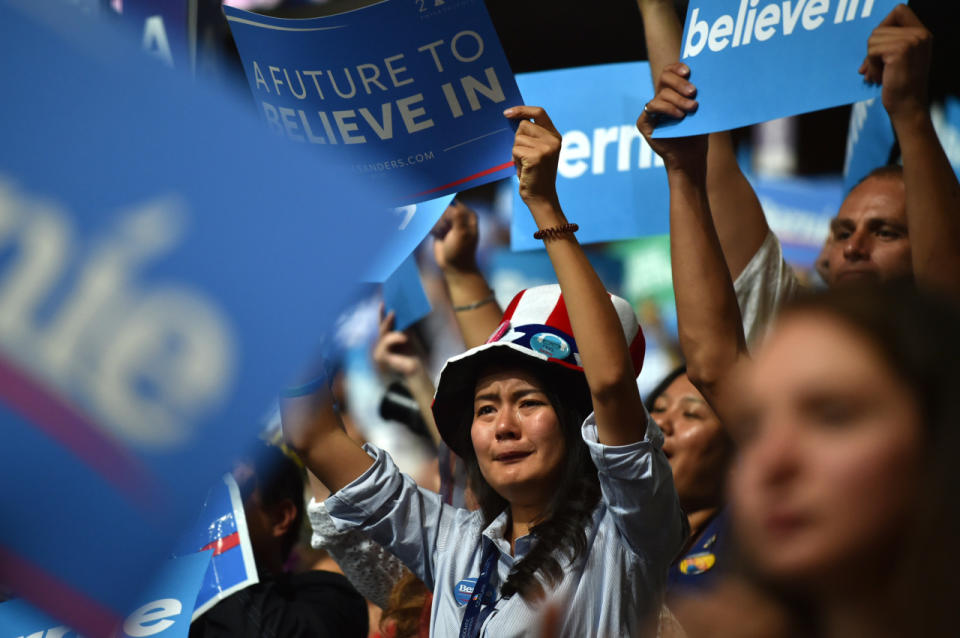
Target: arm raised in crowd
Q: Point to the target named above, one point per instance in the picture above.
(312, 428)
(737, 215)
(898, 57)
(711, 334)
(455, 249)
(401, 354)
(596, 326)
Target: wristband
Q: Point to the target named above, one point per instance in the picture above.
(476, 304)
(555, 231)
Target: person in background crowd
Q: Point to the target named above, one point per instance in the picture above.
(590, 517)
(699, 451)
(311, 604)
(843, 487)
(897, 223)
(397, 353)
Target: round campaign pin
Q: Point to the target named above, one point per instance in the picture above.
(463, 590)
(697, 563)
(551, 345)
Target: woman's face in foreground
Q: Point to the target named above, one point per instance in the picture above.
(830, 448)
(516, 436)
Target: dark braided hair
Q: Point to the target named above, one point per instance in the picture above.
(568, 512)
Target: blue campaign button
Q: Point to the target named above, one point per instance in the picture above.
(550, 345)
(463, 590)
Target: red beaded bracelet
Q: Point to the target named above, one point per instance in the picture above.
(556, 231)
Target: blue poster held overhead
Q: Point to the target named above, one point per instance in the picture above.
(403, 294)
(421, 84)
(870, 140)
(411, 223)
(152, 301)
(757, 61)
(609, 180)
(221, 532)
(870, 137)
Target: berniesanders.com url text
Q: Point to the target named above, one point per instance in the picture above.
(400, 162)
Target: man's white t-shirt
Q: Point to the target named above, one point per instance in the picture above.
(763, 286)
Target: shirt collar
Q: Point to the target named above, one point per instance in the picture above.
(496, 533)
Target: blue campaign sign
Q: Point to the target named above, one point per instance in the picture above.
(946, 121)
(422, 83)
(221, 532)
(165, 266)
(412, 223)
(162, 610)
(757, 61)
(870, 138)
(609, 180)
(510, 272)
(403, 294)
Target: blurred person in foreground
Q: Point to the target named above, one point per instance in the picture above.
(897, 223)
(577, 499)
(311, 604)
(842, 490)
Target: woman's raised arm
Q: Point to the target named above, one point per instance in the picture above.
(596, 326)
(312, 428)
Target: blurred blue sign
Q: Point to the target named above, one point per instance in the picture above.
(870, 137)
(609, 180)
(412, 223)
(403, 294)
(165, 266)
(221, 532)
(422, 84)
(799, 213)
(753, 62)
(870, 140)
(162, 610)
(510, 272)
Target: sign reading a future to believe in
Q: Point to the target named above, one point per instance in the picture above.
(420, 85)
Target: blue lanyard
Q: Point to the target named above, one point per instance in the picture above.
(474, 615)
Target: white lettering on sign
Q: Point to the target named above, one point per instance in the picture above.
(755, 23)
(145, 362)
(578, 147)
(149, 620)
(407, 213)
(152, 618)
(155, 40)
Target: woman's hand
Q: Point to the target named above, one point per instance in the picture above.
(675, 100)
(536, 153)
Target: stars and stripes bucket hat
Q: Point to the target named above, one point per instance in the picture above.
(534, 333)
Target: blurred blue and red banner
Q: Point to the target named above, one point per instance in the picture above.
(165, 266)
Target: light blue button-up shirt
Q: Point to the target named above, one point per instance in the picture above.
(613, 589)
